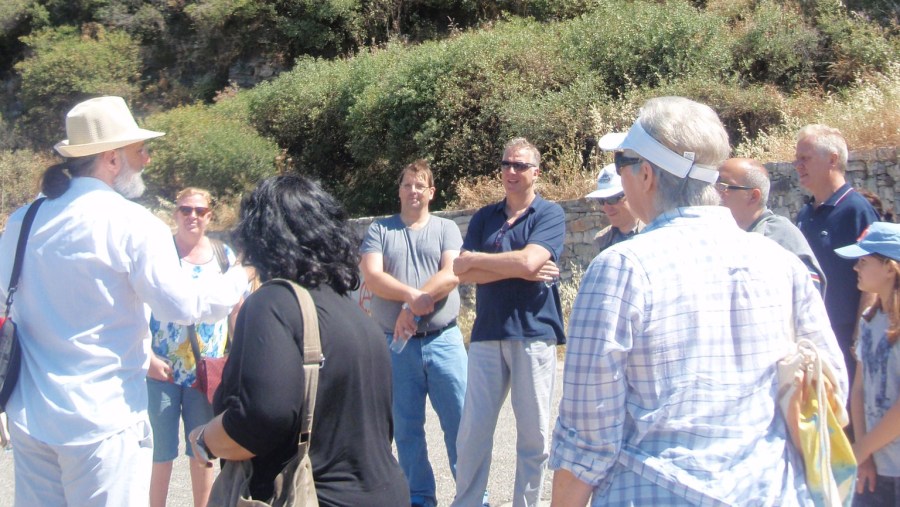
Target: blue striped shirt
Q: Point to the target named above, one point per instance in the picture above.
(669, 384)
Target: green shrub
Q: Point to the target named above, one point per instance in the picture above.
(744, 110)
(643, 44)
(855, 46)
(20, 179)
(205, 147)
(777, 47)
(353, 123)
(67, 67)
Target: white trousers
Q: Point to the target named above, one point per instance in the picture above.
(527, 369)
(114, 472)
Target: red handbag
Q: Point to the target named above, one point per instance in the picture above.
(209, 369)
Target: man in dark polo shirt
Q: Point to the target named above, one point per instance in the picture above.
(836, 217)
(510, 252)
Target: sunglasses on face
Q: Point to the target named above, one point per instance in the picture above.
(622, 161)
(516, 166)
(612, 200)
(724, 187)
(187, 210)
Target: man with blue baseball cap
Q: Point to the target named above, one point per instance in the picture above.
(611, 198)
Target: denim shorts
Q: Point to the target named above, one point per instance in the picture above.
(168, 403)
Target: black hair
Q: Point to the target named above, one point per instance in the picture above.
(291, 228)
(58, 177)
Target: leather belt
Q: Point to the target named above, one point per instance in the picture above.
(434, 332)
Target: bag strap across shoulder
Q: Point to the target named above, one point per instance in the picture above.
(313, 359)
(218, 248)
(20, 251)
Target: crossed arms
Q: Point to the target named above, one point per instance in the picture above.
(530, 263)
(421, 301)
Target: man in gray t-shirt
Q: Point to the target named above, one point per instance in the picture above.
(407, 262)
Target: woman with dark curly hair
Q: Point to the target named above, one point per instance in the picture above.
(291, 228)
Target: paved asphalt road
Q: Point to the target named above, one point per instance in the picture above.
(500, 484)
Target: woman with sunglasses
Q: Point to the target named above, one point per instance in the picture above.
(172, 366)
(611, 197)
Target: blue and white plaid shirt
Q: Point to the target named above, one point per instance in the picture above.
(670, 381)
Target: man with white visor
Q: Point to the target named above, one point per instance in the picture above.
(610, 196)
(668, 394)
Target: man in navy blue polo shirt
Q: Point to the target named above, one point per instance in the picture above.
(836, 218)
(510, 252)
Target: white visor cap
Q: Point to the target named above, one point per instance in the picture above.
(642, 143)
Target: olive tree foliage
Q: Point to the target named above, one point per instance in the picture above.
(209, 147)
(67, 65)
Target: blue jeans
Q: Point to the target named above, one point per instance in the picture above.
(166, 403)
(433, 366)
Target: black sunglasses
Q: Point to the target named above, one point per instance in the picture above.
(622, 161)
(187, 210)
(516, 166)
(612, 200)
(724, 187)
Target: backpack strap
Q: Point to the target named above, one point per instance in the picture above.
(20, 251)
(313, 359)
(218, 248)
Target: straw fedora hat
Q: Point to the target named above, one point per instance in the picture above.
(98, 125)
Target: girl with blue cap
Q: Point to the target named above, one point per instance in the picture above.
(874, 407)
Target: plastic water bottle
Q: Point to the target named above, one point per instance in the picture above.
(398, 344)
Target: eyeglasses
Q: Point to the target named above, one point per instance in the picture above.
(622, 161)
(187, 210)
(721, 186)
(498, 240)
(613, 200)
(516, 166)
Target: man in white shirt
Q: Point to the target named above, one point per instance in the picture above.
(95, 265)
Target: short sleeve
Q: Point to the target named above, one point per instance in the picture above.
(265, 372)
(373, 242)
(475, 232)
(550, 230)
(452, 239)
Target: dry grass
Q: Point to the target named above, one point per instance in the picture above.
(868, 115)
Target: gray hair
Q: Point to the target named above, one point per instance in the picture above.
(520, 143)
(757, 177)
(683, 125)
(828, 140)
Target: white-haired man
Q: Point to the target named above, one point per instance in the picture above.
(94, 263)
(674, 337)
(837, 217)
(744, 185)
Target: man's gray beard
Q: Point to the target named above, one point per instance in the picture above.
(129, 182)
